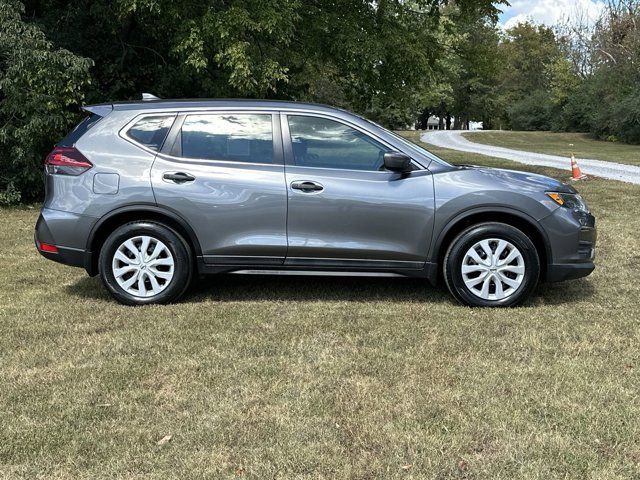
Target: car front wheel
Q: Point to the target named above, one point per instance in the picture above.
(145, 262)
(491, 265)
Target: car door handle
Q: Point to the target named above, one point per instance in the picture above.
(178, 177)
(307, 186)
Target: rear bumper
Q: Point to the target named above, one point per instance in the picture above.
(68, 232)
(65, 255)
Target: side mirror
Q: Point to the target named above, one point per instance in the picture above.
(397, 162)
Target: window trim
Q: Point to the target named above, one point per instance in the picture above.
(288, 144)
(124, 131)
(173, 152)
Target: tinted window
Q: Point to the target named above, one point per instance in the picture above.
(151, 131)
(319, 142)
(79, 130)
(233, 137)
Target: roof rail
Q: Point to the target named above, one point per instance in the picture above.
(148, 97)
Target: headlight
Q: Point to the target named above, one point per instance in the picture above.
(572, 201)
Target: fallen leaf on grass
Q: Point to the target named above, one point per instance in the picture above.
(165, 439)
(406, 467)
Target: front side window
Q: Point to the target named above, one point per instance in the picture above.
(324, 143)
(228, 137)
(151, 131)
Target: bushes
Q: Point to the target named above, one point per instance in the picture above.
(533, 112)
(10, 195)
(576, 115)
(619, 119)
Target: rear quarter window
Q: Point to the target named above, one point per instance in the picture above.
(151, 131)
(80, 129)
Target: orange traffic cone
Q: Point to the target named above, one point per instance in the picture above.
(576, 174)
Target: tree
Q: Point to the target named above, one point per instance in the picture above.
(40, 90)
(616, 51)
(379, 58)
(372, 57)
(527, 54)
(475, 87)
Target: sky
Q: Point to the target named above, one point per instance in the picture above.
(548, 12)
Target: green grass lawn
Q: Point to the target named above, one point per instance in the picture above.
(559, 144)
(258, 377)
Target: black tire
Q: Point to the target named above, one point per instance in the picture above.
(177, 246)
(466, 240)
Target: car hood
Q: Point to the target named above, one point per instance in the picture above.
(520, 180)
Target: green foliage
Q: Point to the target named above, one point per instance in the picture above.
(383, 59)
(10, 195)
(532, 112)
(619, 119)
(395, 61)
(527, 52)
(475, 91)
(600, 98)
(528, 55)
(40, 89)
(576, 114)
(464, 79)
(617, 74)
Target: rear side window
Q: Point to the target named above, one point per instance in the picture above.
(80, 129)
(151, 131)
(228, 137)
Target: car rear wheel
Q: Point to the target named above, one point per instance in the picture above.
(491, 265)
(145, 262)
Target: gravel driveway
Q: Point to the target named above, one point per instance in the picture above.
(454, 140)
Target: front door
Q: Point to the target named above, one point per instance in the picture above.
(345, 210)
(224, 174)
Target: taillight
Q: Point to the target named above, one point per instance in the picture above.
(66, 161)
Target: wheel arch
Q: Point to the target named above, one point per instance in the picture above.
(520, 220)
(129, 213)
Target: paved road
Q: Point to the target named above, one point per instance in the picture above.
(454, 140)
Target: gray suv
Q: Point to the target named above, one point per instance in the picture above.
(148, 194)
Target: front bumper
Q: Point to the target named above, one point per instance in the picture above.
(572, 238)
(68, 232)
(570, 271)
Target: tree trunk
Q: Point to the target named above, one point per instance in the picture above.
(448, 121)
(423, 120)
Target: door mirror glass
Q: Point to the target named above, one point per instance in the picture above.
(397, 162)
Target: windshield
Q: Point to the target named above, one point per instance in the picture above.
(408, 143)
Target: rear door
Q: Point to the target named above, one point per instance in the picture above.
(345, 210)
(223, 172)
